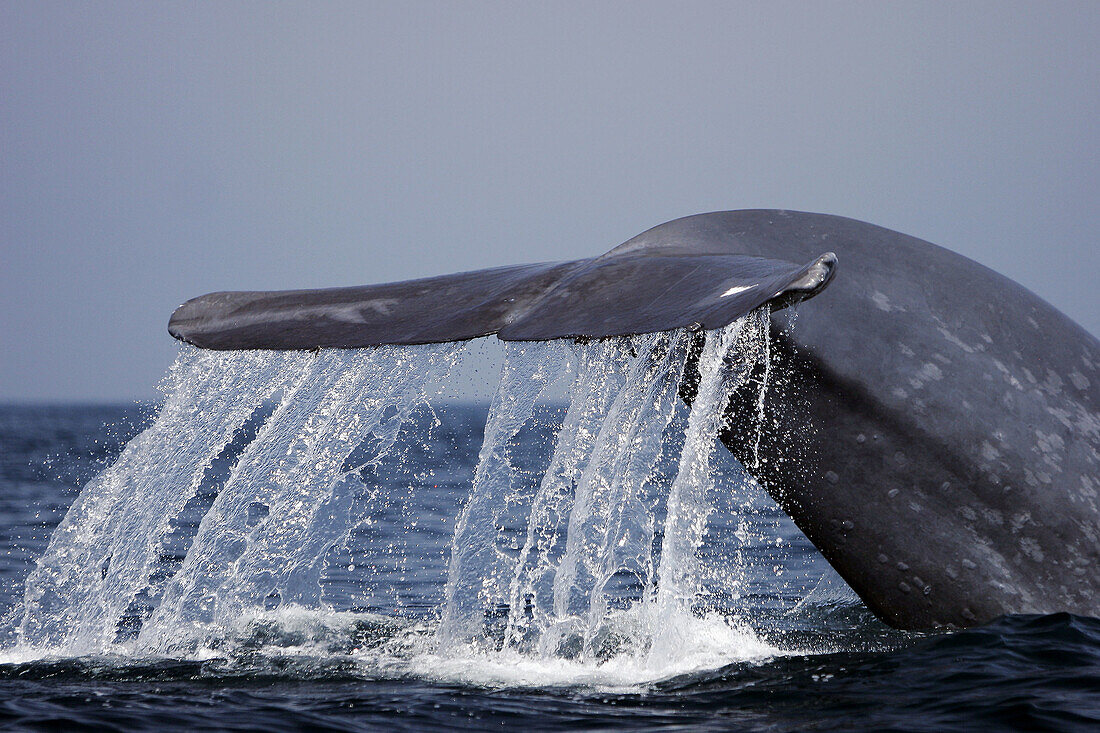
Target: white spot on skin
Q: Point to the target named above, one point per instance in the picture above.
(955, 341)
(930, 371)
(1061, 416)
(989, 452)
(1080, 381)
(881, 301)
(1031, 549)
(737, 289)
(927, 372)
(1008, 374)
(1051, 442)
(355, 313)
(382, 306)
(1087, 487)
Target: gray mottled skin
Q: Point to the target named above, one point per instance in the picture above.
(933, 427)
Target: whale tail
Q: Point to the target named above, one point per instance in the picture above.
(642, 286)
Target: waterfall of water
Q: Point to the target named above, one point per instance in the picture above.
(101, 556)
(726, 361)
(288, 474)
(585, 559)
(590, 523)
(475, 575)
(102, 551)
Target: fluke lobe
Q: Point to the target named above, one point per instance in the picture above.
(933, 427)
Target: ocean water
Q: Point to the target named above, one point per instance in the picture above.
(331, 542)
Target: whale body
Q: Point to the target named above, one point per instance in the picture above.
(931, 426)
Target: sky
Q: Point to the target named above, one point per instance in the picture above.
(151, 152)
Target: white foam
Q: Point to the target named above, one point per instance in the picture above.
(716, 645)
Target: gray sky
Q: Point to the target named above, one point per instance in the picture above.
(152, 152)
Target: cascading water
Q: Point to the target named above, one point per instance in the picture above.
(726, 362)
(101, 553)
(291, 472)
(588, 558)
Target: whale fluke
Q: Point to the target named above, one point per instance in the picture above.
(631, 289)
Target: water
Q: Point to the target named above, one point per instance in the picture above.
(330, 540)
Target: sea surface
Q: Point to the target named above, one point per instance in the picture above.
(790, 648)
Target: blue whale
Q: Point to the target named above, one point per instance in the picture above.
(931, 426)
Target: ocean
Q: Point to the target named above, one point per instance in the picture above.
(312, 559)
